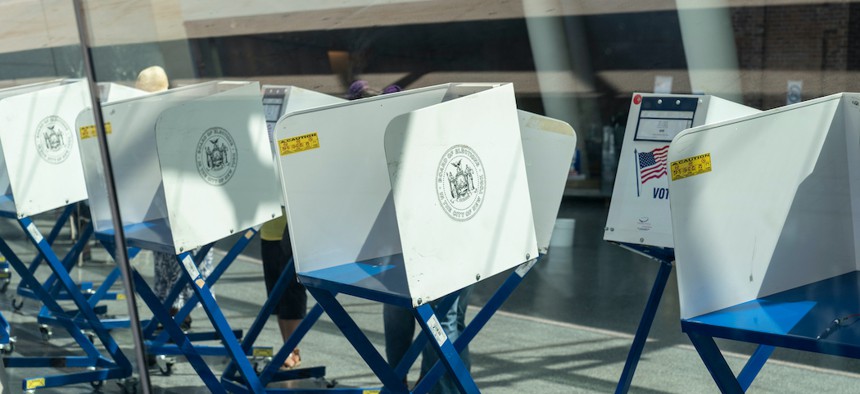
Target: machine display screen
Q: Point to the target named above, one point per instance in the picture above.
(661, 119)
(272, 110)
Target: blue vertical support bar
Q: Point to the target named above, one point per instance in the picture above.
(309, 320)
(181, 340)
(420, 340)
(644, 326)
(359, 341)
(216, 317)
(177, 288)
(216, 273)
(445, 349)
(754, 365)
(479, 321)
(716, 363)
(83, 307)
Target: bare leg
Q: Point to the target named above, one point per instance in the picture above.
(287, 327)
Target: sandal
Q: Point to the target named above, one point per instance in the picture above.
(294, 360)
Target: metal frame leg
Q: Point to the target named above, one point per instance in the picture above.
(716, 363)
(478, 322)
(119, 367)
(390, 380)
(754, 365)
(222, 328)
(172, 328)
(445, 349)
(644, 327)
(268, 374)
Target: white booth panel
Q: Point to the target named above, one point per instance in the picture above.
(5, 187)
(216, 165)
(279, 100)
(639, 212)
(110, 92)
(763, 204)
(132, 146)
(335, 178)
(548, 148)
(461, 194)
(39, 146)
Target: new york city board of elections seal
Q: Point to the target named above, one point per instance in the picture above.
(460, 182)
(217, 156)
(53, 139)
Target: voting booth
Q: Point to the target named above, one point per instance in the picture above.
(765, 213)
(192, 166)
(412, 196)
(187, 168)
(42, 172)
(108, 92)
(348, 212)
(639, 214)
(639, 218)
(279, 100)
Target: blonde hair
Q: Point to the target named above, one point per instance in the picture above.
(152, 79)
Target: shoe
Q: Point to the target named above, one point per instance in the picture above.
(294, 360)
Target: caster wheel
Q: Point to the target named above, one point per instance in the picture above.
(17, 304)
(4, 286)
(97, 384)
(128, 386)
(165, 365)
(331, 384)
(91, 337)
(8, 348)
(46, 332)
(257, 368)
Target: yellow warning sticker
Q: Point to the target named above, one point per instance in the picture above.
(263, 352)
(120, 296)
(288, 146)
(35, 383)
(369, 391)
(690, 166)
(90, 131)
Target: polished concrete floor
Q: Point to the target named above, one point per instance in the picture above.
(567, 328)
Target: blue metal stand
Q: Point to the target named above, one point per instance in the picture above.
(751, 369)
(101, 368)
(644, 326)
(158, 343)
(716, 363)
(478, 322)
(271, 372)
(324, 285)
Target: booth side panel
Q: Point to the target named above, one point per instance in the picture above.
(217, 166)
(461, 194)
(759, 220)
(337, 190)
(851, 119)
(134, 159)
(720, 110)
(5, 186)
(548, 147)
(40, 147)
(300, 99)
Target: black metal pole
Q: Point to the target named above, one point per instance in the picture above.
(119, 235)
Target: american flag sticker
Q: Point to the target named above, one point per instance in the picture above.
(652, 165)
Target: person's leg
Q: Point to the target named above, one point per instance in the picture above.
(453, 322)
(399, 328)
(292, 308)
